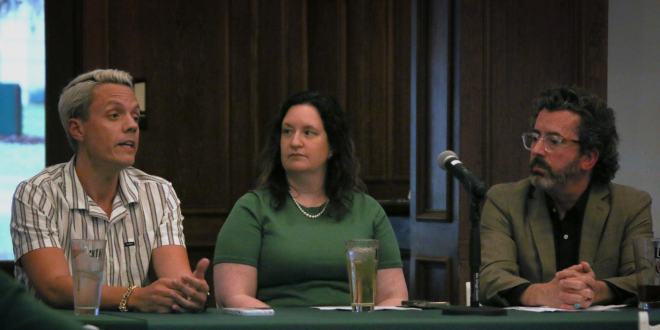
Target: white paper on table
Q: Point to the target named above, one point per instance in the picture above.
(378, 308)
(550, 309)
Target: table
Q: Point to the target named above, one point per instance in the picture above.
(108, 322)
(308, 318)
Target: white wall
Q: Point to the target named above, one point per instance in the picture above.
(633, 91)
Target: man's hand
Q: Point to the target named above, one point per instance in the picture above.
(584, 273)
(574, 285)
(155, 298)
(580, 269)
(185, 295)
(558, 293)
(191, 290)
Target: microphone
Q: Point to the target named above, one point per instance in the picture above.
(449, 162)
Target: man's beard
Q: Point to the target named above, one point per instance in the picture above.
(552, 178)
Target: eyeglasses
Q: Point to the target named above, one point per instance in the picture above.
(550, 142)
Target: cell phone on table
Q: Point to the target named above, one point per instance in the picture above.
(249, 311)
(423, 304)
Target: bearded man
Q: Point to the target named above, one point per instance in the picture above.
(563, 237)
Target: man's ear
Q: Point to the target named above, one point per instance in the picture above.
(74, 125)
(589, 159)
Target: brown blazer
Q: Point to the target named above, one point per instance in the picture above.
(517, 243)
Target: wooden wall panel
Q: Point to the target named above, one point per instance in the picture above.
(326, 24)
(270, 64)
(399, 26)
(433, 278)
(530, 53)
(216, 73)
(63, 62)
(433, 234)
(358, 81)
(378, 101)
(95, 22)
(184, 111)
(295, 54)
(370, 117)
(243, 97)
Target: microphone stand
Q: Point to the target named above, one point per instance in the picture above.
(475, 251)
(475, 264)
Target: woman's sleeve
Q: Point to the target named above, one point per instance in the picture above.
(389, 255)
(239, 240)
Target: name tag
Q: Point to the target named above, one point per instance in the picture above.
(127, 244)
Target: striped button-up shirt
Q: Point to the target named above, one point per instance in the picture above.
(52, 208)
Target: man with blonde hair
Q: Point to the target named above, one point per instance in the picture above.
(98, 195)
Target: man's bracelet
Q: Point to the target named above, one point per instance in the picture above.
(124, 300)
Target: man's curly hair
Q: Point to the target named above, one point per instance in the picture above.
(597, 129)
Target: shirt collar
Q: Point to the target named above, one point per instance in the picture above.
(127, 188)
(73, 190)
(580, 206)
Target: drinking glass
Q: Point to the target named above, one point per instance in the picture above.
(88, 261)
(647, 270)
(362, 264)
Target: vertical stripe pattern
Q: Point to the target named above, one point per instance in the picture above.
(51, 208)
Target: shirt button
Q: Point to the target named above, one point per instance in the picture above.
(565, 236)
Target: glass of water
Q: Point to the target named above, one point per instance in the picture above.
(88, 261)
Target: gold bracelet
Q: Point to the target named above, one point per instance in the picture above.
(124, 300)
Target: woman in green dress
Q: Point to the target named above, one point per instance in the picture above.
(283, 243)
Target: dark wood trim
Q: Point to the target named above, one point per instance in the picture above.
(405, 254)
(63, 63)
(452, 98)
(421, 101)
(593, 46)
(474, 83)
(225, 91)
(342, 79)
(434, 216)
(202, 230)
(96, 38)
(197, 252)
(205, 212)
(7, 266)
(423, 266)
(389, 74)
(396, 208)
(423, 111)
(254, 77)
(405, 260)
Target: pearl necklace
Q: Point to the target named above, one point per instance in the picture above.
(305, 213)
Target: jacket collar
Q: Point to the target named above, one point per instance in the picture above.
(593, 222)
(541, 225)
